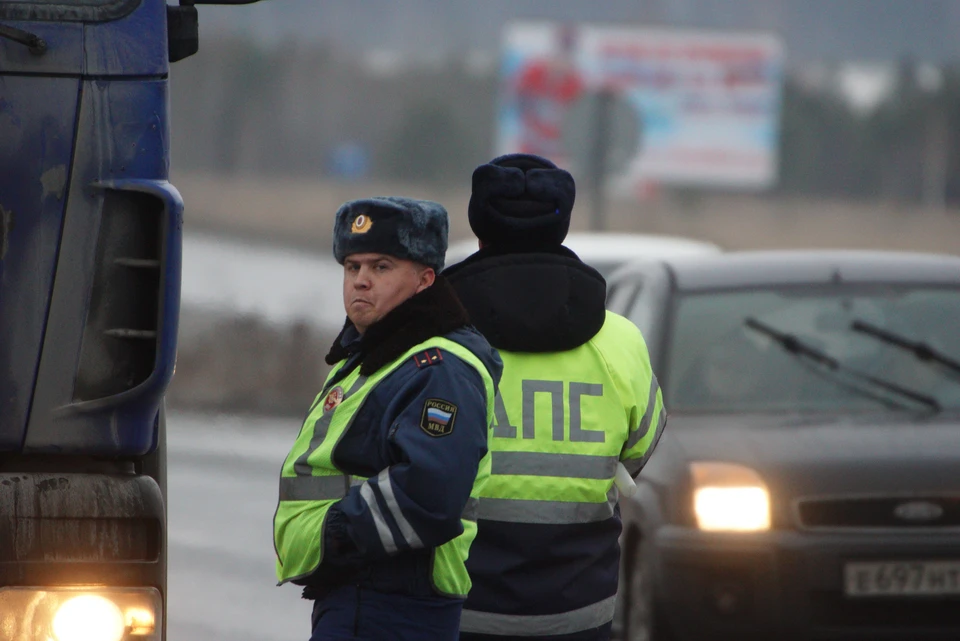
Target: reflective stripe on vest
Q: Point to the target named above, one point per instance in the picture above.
(469, 510)
(539, 625)
(312, 488)
(582, 466)
(310, 483)
(548, 512)
(635, 465)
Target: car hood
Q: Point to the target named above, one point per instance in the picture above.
(804, 456)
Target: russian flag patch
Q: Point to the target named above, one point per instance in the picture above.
(438, 417)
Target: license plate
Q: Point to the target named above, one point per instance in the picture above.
(902, 578)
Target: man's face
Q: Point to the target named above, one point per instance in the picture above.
(374, 284)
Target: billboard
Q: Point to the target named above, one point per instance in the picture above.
(705, 105)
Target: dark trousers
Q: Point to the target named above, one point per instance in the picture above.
(351, 612)
(596, 634)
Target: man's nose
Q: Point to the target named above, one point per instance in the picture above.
(362, 280)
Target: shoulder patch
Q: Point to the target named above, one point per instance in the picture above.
(428, 358)
(438, 417)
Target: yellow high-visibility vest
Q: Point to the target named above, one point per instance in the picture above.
(310, 482)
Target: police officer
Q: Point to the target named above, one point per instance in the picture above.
(378, 494)
(577, 399)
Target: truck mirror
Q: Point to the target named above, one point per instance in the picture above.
(183, 38)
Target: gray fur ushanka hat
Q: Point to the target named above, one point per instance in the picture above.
(406, 228)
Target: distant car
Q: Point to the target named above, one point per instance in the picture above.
(808, 482)
(606, 251)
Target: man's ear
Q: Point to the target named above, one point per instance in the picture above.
(427, 278)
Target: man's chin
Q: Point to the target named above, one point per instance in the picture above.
(363, 320)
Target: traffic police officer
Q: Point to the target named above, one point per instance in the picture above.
(378, 495)
(577, 399)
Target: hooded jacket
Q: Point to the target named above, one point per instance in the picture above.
(534, 577)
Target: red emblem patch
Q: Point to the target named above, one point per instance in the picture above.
(333, 398)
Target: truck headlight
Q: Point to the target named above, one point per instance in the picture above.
(80, 614)
(729, 498)
(90, 617)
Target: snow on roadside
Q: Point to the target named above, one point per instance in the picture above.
(281, 285)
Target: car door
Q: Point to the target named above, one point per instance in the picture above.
(641, 294)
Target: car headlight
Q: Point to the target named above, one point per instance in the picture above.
(729, 498)
(80, 614)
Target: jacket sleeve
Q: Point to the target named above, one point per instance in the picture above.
(643, 404)
(436, 438)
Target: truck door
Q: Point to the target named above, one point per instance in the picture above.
(38, 114)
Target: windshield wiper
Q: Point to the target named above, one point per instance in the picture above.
(36, 44)
(919, 349)
(797, 347)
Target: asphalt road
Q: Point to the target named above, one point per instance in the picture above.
(222, 488)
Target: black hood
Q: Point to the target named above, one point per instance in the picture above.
(546, 301)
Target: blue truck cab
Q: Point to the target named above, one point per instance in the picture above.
(90, 253)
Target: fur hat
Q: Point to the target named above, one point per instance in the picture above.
(521, 201)
(402, 227)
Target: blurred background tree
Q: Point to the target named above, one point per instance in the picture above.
(286, 109)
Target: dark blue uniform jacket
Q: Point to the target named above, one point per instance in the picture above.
(421, 482)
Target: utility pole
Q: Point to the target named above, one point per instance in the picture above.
(935, 160)
(598, 158)
(602, 132)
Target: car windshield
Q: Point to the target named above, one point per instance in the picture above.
(716, 363)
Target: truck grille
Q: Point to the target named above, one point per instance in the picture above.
(120, 336)
(881, 512)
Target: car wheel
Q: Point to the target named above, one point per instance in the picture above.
(637, 617)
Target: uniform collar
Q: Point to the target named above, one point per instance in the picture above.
(433, 312)
(350, 339)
